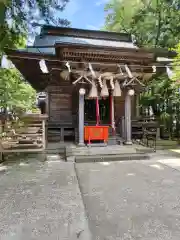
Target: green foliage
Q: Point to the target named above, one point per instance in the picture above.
(15, 94)
(154, 23)
(20, 13)
(18, 18)
(176, 65)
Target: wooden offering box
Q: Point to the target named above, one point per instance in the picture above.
(96, 133)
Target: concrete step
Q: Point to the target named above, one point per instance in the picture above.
(54, 157)
(56, 151)
(56, 148)
(110, 158)
(107, 150)
(53, 139)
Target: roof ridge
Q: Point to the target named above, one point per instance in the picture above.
(85, 33)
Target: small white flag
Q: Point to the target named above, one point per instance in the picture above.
(68, 66)
(154, 69)
(169, 72)
(6, 63)
(43, 67)
(112, 83)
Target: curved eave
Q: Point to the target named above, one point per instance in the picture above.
(28, 65)
(164, 53)
(11, 53)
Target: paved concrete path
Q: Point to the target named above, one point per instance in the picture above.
(132, 200)
(41, 201)
(129, 200)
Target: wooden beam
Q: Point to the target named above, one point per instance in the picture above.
(89, 47)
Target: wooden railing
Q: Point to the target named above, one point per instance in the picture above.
(145, 132)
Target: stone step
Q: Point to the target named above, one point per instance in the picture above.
(54, 140)
(109, 158)
(56, 151)
(106, 150)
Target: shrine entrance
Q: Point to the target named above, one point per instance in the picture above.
(90, 111)
(108, 65)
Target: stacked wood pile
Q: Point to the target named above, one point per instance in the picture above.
(27, 134)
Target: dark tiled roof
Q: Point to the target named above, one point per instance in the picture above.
(84, 33)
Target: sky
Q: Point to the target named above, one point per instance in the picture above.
(86, 14)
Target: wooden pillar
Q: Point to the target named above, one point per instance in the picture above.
(47, 102)
(128, 140)
(97, 112)
(112, 119)
(123, 134)
(137, 106)
(44, 139)
(81, 116)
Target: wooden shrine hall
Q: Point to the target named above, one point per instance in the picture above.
(92, 80)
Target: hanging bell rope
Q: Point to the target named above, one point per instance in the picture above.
(100, 81)
(117, 90)
(121, 72)
(104, 90)
(93, 92)
(112, 83)
(97, 112)
(92, 70)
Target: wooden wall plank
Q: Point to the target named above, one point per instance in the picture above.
(60, 104)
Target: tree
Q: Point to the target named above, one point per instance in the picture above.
(18, 18)
(15, 93)
(176, 65)
(154, 24)
(17, 96)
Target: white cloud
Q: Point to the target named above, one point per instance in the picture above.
(101, 2)
(71, 9)
(97, 26)
(92, 27)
